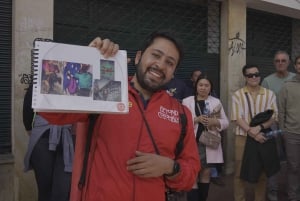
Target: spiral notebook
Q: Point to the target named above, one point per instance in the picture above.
(73, 78)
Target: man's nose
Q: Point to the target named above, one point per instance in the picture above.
(160, 63)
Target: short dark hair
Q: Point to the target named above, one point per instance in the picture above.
(195, 70)
(248, 66)
(169, 35)
(296, 59)
(203, 76)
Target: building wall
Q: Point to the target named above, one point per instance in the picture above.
(233, 57)
(31, 19)
(7, 179)
(295, 38)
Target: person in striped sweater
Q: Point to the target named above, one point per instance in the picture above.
(247, 102)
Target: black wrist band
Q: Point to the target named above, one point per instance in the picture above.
(176, 169)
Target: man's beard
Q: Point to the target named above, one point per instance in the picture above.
(146, 83)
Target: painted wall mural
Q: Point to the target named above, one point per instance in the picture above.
(236, 45)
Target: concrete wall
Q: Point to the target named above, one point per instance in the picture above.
(233, 57)
(31, 19)
(282, 7)
(7, 178)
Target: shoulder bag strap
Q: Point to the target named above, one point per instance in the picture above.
(148, 127)
(183, 124)
(179, 145)
(249, 104)
(92, 121)
(205, 128)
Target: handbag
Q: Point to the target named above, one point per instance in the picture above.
(210, 139)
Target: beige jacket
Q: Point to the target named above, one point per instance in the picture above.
(289, 107)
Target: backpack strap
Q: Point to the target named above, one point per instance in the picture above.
(179, 146)
(92, 122)
(183, 124)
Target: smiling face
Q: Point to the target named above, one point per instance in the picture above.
(156, 65)
(252, 77)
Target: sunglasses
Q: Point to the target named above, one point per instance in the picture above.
(280, 60)
(252, 75)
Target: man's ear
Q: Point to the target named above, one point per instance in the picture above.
(137, 57)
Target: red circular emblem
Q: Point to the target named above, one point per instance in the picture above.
(121, 107)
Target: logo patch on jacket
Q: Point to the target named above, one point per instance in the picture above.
(168, 114)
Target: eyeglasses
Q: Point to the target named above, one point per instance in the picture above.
(280, 60)
(252, 75)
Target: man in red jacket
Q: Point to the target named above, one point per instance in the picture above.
(132, 156)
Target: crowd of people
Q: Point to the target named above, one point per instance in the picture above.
(135, 156)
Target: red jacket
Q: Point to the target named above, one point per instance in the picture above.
(115, 140)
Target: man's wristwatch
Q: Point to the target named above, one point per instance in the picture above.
(176, 169)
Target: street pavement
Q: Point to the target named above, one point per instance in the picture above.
(225, 193)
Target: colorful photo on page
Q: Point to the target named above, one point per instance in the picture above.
(107, 69)
(107, 90)
(66, 78)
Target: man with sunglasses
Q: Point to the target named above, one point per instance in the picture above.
(246, 103)
(274, 82)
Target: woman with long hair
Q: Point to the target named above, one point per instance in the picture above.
(208, 113)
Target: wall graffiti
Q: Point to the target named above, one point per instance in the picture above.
(236, 45)
(25, 78)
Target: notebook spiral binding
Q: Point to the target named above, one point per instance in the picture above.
(34, 63)
(34, 58)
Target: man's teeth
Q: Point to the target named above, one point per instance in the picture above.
(155, 73)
